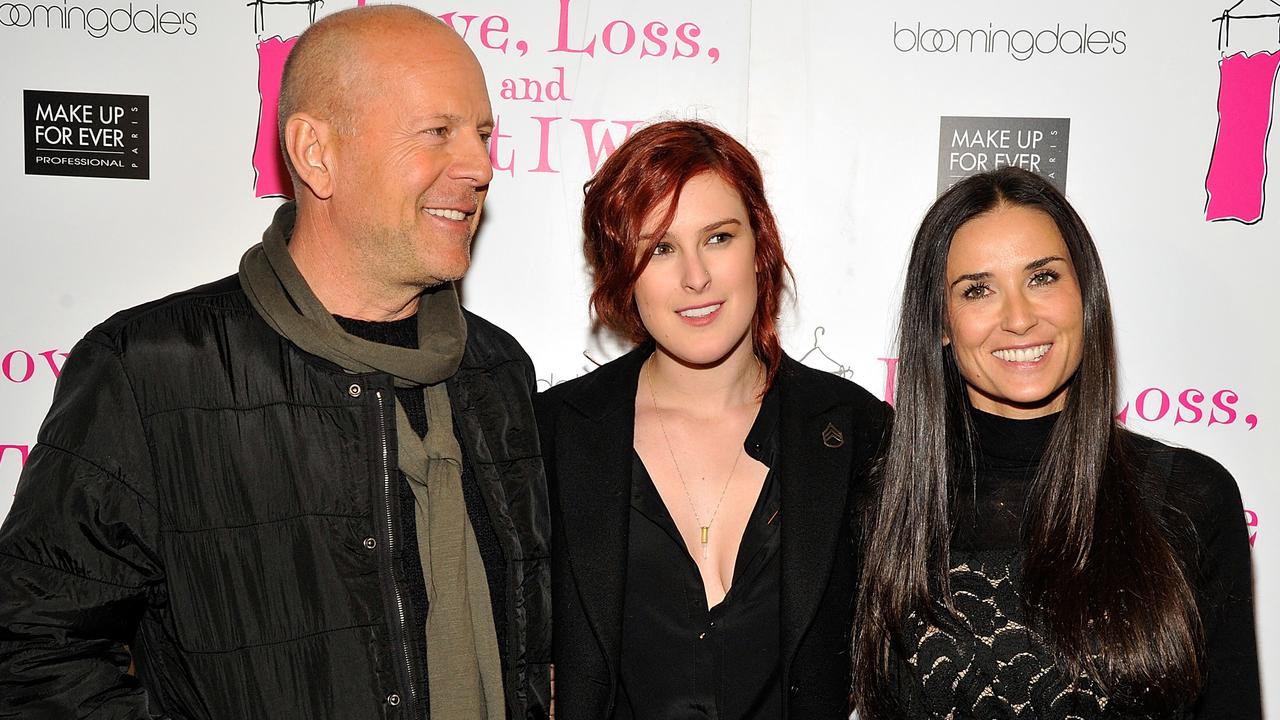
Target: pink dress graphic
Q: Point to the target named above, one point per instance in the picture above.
(271, 177)
(1238, 168)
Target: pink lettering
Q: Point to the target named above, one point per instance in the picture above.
(685, 35)
(654, 33)
(562, 38)
(494, 25)
(1122, 417)
(29, 366)
(1140, 405)
(610, 42)
(1223, 400)
(598, 152)
(544, 142)
(494, 139)
(22, 452)
(54, 365)
(890, 378)
(1251, 521)
(1191, 408)
(1185, 400)
(466, 22)
(620, 37)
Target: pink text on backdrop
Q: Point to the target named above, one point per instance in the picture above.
(19, 366)
(890, 377)
(1155, 405)
(535, 90)
(493, 31)
(620, 37)
(600, 137)
(22, 452)
(1251, 520)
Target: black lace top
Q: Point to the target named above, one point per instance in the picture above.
(989, 663)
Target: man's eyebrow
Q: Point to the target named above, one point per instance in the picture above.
(441, 118)
(970, 276)
(1043, 261)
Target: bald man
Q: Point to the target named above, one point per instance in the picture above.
(312, 489)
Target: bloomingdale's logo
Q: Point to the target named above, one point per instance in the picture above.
(1022, 44)
(98, 21)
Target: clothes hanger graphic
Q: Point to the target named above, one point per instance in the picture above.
(1255, 10)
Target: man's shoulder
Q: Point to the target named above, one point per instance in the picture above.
(489, 345)
(173, 314)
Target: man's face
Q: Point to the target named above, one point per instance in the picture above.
(410, 181)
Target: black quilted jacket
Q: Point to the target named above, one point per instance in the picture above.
(217, 507)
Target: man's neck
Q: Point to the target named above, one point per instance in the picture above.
(336, 278)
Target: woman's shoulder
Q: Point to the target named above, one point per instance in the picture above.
(1189, 481)
(611, 383)
(832, 387)
(823, 382)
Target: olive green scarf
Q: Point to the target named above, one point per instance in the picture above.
(464, 672)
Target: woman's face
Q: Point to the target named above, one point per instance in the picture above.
(1014, 312)
(697, 296)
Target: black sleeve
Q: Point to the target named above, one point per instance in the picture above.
(1224, 588)
(78, 558)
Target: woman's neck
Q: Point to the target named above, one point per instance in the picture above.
(732, 382)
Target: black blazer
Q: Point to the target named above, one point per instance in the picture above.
(830, 429)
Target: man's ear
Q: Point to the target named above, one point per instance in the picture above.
(310, 144)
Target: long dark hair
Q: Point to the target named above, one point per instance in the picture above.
(1102, 582)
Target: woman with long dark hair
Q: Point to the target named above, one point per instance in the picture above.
(700, 485)
(1025, 555)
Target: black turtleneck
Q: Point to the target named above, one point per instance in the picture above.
(990, 508)
(991, 663)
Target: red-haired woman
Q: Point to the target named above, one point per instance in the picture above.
(700, 484)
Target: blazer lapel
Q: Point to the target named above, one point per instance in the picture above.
(594, 441)
(815, 457)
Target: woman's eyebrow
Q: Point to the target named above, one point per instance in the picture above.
(720, 223)
(971, 276)
(1043, 261)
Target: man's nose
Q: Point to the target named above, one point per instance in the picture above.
(471, 160)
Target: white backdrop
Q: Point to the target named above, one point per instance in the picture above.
(842, 102)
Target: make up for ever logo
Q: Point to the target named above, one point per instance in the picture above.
(971, 145)
(87, 134)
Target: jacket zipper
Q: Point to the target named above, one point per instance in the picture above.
(391, 546)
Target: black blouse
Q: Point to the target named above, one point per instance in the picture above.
(990, 661)
(681, 660)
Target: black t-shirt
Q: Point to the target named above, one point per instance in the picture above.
(681, 660)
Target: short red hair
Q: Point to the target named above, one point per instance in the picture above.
(651, 167)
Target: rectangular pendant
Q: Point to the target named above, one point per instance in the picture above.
(704, 531)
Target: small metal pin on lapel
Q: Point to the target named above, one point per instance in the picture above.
(832, 437)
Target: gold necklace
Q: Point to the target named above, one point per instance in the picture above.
(704, 529)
